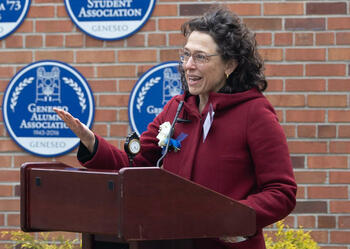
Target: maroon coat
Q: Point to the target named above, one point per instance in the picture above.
(244, 156)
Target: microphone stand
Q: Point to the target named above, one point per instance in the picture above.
(179, 107)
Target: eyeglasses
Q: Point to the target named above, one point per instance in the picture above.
(197, 57)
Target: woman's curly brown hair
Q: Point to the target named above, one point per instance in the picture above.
(235, 41)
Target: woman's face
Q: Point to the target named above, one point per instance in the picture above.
(204, 76)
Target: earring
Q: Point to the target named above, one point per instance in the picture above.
(227, 75)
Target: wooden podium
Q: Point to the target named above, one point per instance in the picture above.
(132, 208)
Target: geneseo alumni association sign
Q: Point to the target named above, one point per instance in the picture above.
(151, 92)
(29, 101)
(12, 13)
(109, 19)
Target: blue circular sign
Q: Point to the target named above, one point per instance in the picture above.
(12, 14)
(151, 92)
(109, 19)
(29, 101)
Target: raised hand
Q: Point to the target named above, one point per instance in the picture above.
(87, 137)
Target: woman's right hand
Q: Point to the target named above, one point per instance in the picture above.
(87, 137)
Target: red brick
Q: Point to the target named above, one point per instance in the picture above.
(286, 100)
(283, 70)
(99, 85)
(88, 56)
(338, 116)
(5, 72)
(326, 221)
(305, 115)
(298, 54)
(338, 54)
(327, 131)
(137, 55)
(263, 23)
(176, 39)
(339, 206)
(283, 9)
(306, 85)
(340, 237)
(26, 27)
(13, 220)
(283, 39)
(119, 130)
(339, 147)
(174, 24)
(100, 129)
(113, 100)
(339, 177)
(275, 85)
(338, 23)
(319, 236)
(49, 26)
(309, 207)
(8, 146)
(169, 55)
(271, 54)
(93, 43)
(193, 9)
(344, 222)
(136, 40)
(325, 8)
(116, 71)
(9, 205)
(5, 190)
(329, 192)
(343, 38)
(339, 85)
(126, 85)
(289, 130)
(304, 39)
(14, 41)
(306, 221)
(325, 69)
(263, 39)
(74, 41)
(105, 115)
(310, 177)
(156, 40)
(325, 39)
(245, 9)
(61, 55)
(36, 11)
(344, 131)
(305, 24)
(303, 147)
(327, 100)
(123, 115)
(16, 57)
(305, 131)
(54, 41)
(165, 10)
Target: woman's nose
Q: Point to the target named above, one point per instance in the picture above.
(189, 63)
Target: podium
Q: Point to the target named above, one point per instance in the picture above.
(136, 208)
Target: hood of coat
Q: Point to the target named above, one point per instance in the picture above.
(219, 101)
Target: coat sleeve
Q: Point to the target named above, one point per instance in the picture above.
(276, 185)
(109, 157)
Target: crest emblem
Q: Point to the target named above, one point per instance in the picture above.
(29, 101)
(12, 14)
(151, 92)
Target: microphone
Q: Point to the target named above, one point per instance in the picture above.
(179, 107)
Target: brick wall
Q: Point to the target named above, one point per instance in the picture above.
(306, 48)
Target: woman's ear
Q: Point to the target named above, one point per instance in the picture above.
(230, 66)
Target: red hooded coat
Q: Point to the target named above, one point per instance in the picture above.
(244, 156)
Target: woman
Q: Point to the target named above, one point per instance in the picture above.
(232, 142)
